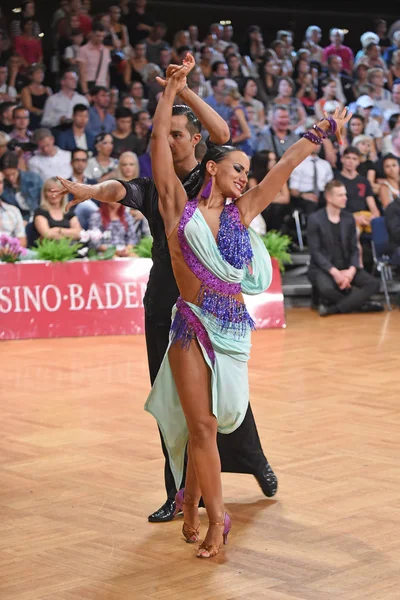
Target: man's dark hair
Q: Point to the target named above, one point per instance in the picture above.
(215, 65)
(79, 108)
(98, 88)
(182, 50)
(9, 160)
(215, 80)
(4, 106)
(17, 108)
(123, 113)
(73, 152)
(351, 150)
(193, 124)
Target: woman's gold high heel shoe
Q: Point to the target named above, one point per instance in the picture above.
(191, 534)
(210, 550)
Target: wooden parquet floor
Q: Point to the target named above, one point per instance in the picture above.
(81, 469)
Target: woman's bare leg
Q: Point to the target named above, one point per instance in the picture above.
(192, 380)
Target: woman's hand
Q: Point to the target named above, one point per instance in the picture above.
(80, 191)
(178, 73)
(341, 116)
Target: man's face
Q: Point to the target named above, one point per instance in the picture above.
(137, 90)
(281, 119)
(165, 57)
(81, 119)
(98, 37)
(70, 80)
(350, 161)
(103, 99)
(219, 87)
(79, 163)
(180, 140)
(11, 175)
(46, 145)
(337, 197)
(336, 64)
(222, 70)
(21, 119)
(8, 114)
(124, 125)
(336, 38)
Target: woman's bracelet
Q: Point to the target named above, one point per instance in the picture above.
(320, 131)
(332, 123)
(312, 137)
(183, 89)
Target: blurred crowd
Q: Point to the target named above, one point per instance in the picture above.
(83, 110)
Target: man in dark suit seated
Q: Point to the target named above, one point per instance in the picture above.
(76, 135)
(335, 260)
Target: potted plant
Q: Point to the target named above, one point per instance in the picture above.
(277, 245)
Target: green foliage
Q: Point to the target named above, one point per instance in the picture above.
(277, 245)
(57, 250)
(143, 249)
(94, 254)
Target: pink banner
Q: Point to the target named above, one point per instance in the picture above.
(86, 298)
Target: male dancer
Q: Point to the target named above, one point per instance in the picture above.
(241, 450)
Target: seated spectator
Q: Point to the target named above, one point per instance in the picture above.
(58, 108)
(118, 225)
(274, 215)
(393, 124)
(100, 120)
(28, 46)
(21, 188)
(360, 198)
(389, 189)
(364, 106)
(79, 161)
(102, 163)
(78, 134)
(50, 219)
(356, 127)
(236, 69)
(21, 136)
(308, 181)
(11, 222)
(285, 97)
(128, 169)
(135, 66)
(197, 83)
(49, 159)
(142, 129)
(124, 140)
(312, 39)
(217, 99)
(238, 123)
(344, 82)
(136, 92)
(342, 285)
(329, 93)
(277, 136)
(34, 95)
(268, 80)
(249, 92)
(368, 161)
(94, 61)
(6, 116)
(8, 93)
(305, 86)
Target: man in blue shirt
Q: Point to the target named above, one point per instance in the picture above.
(100, 120)
(216, 100)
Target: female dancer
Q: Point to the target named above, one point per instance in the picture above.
(202, 384)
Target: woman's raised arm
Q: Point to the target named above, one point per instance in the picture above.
(172, 196)
(253, 202)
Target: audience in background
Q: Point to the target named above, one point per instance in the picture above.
(50, 219)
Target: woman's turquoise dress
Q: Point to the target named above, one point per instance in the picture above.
(237, 262)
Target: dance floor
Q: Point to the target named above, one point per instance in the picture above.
(81, 468)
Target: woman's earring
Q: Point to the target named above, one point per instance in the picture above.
(207, 190)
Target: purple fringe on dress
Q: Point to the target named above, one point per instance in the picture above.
(216, 297)
(194, 263)
(186, 326)
(233, 238)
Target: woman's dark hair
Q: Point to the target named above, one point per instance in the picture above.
(244, 82)
(195, 182)
(9, 160)
(349, 134)
(259, 164)
(392, 121)
(100, 137)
